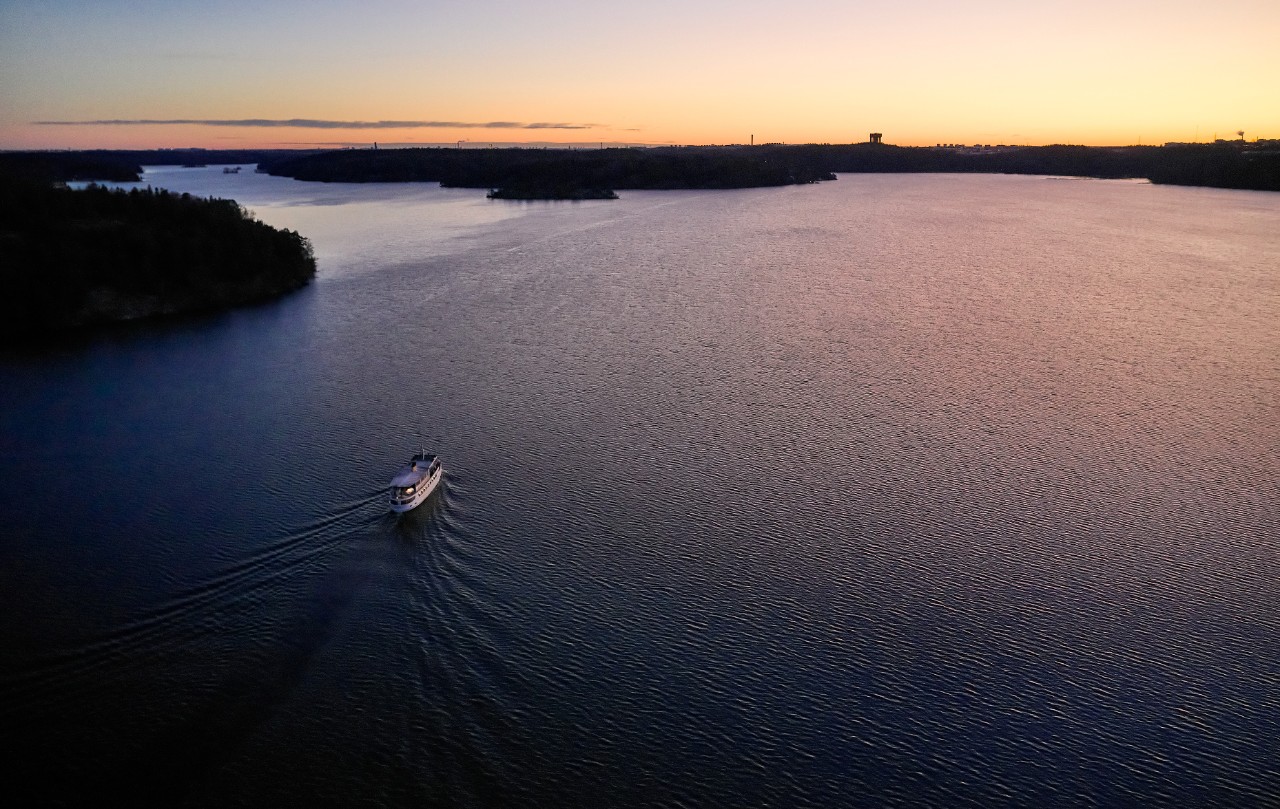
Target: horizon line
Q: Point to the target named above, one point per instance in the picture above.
(597, 144)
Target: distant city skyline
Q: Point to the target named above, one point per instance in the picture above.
(234, 74)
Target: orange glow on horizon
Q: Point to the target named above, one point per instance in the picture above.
(707, 72)
(199, 137)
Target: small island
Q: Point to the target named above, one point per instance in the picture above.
(75, 259)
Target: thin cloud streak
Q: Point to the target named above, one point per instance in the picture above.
(313, 123)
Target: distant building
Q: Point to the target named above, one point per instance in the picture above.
(875, 137)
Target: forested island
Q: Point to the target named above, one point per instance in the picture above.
(559, 173)
(72, 259)
(556, 173)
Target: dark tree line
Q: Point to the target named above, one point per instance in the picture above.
(1219, 167)
(79, 258)
(556, 172)
(586, 173)
(50, 167)
(530, 171)
(121, 165)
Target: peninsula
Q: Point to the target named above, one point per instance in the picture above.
(74, 259)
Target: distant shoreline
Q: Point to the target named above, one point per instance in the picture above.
(568, 173)
(547, 173)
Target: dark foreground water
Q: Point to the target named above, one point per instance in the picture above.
(897, 490)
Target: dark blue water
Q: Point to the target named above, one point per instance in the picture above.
(897, 490)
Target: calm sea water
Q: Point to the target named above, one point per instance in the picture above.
(896, 490)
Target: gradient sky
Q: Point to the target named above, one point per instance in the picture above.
(233, 73)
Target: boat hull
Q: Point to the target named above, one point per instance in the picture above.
(423, 491)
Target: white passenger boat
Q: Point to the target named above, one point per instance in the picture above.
(415, 481)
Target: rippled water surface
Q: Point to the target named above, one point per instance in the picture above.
(893, 490)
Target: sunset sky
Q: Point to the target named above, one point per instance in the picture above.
(285, 73)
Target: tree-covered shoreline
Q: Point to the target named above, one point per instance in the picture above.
(123, 165)
(76, 259)
(547, 172)
(539, 173)
(555, 173)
